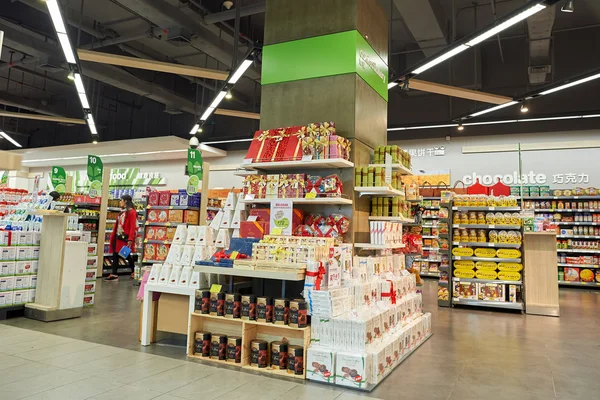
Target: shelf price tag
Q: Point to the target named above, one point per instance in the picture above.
(492, 226)
(215, 288)
(307, 157)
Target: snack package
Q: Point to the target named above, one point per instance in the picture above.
(340, 221)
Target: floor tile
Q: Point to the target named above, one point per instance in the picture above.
(79, 390)
(141, 370)
(29, 370)
(128, 393)
(7, 362)
(57, 351)
(111, 363)
(85, 356)
(259, 388)
(213, 386)
(174, 378)
(310, 391)
(41, 383)
(167, 397)
(356, 395)
(13, 339)
(42, 342)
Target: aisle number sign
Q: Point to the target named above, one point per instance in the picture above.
(58, 177)
(95, 170)
(194, 170)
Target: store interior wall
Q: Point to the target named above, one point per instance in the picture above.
(549, 162)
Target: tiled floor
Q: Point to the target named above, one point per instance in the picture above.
(473, 354)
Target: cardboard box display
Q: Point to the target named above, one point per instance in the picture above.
(191, 217)
(491, 291)
(6, 298)
(7, 268)
(175, 216)
(352, 369)
(320, 364)
(7, 283)
(88, 299)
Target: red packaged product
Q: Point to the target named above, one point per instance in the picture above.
(314, 183)
(261, 214)
(153, 198)
(314, 220)
(332, 185)
(254, 229)
(164, 199)
(340, 221)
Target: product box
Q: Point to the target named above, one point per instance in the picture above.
(320, 364)
(33, 281)
(6, 238)
(6, 299)
(7, 268)
(352, 369)
(175, 216)
(238, 217)
(23, 267)
(7, 283)
(90, 275)
(153, 198)
(175, 199)
(22, 282)
(89, 287)
(34, 266)
(464, 290)
(227, 219)
(20, 296)
(88, 299)
(191, 217)
(149, 251)
(31, 295)
(571, 274)
(223, 238)
(164, 199)
(254, 229)
(206, 236)
(261, 214)
(8, 253)
(491, 291)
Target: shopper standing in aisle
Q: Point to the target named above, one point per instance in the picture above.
(123, 234)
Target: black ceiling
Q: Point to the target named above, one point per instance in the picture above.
(130, 103)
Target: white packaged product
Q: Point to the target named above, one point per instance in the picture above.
(22, 282)
(23, 267)
(89, 287)
(320, 364)
(201, 253)
(34, 266)
(7, 283)
(231, 201)
(180, 234)
(31, 295)
(8, 253)
(6, 298)
(165, 273)
(187, 255)
(192, 235)
(352, 369)
(184, 277)
(90, 274)
(216, 222)
(154, 273)
(223, 239)
(20, 296)
(174, 277)
(195, 280)
(206, 236)
(7, 268)
(174, 256)
(88, 299)
(227, 219)
(238, 217)
(236, 233)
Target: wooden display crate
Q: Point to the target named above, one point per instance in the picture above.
(248, 331)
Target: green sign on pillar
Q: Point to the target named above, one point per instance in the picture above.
(58, 177)
(194, 170)
(95, 169)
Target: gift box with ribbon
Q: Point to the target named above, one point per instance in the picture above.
(254, 229)
(260, 147)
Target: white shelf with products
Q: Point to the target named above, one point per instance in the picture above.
(312, 164)
(430, 236)
(577, 223)
(559, 210)
(487, 281)
(595, 251)
(369, 246)
(395, 167)
(475, 208)
(488, 244)
(570, 283)
(393, 219)
(542, 198)
(490, 259)
(430, 274)
(378, 191)
(486, 226)
(578, 265)
(302, 200)
(577, 237)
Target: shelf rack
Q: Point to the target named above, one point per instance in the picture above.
(301, 200)
(393, 219)
(378, 191)
(311, 164)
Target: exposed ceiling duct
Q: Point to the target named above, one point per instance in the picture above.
(421, 19)
(540, 36)
(257, 8)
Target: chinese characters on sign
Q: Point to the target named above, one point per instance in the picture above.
(429, 151)
(570, 178)
(148, 175)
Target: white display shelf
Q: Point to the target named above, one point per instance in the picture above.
(578, 265)
(283, 276)
(486, 244)
(301, 200)
(480, 208)
(111, 221)
(431, 207)
(486, 226)
(393, 219)
(578, 251)
(567, 283)
(395, 167)
(213, 209)
(578, 236)
(430, 236)
(430, 226)
(492, 259)
(369, 246)
(417, 200)
(432, 248)
(558, 210)
(312, 164)
(428, 260)
(487, 281)
(95, 218)
(488, 303)
(114, 209)
(245, 172)
(577, 223)
(185, 291)
(378, 191)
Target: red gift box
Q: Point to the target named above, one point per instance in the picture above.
(254, 229)
(261, 214)
(153, 198)
(286, 189)
(265, 145)
(164, 199)
(257, 145)
(292, 148)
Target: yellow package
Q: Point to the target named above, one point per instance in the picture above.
(462, 252)
(486, 274)
(464, 273)
(509, 276)
(510, 267)
(462, 264)
(486, 265)
(485, 253)
(490, 218)
(509, 253)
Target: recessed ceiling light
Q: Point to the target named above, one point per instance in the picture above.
(460, 127)
(524, 108)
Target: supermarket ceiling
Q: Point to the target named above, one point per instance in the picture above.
(130, 103)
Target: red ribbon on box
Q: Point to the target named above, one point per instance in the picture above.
(319, 274)
(391, 294)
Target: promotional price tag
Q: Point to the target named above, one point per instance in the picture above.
(215, 288)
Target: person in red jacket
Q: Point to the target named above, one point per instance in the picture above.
(123, 234)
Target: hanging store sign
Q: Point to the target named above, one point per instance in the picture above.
(194, 170)
(58, 177)
(123, 178)
(95, 171)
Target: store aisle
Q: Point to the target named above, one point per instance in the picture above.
(473, 354)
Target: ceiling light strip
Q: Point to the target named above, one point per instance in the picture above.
(489, 110)
(7, 137)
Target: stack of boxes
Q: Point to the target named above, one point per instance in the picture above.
(91, 269)
(227, 222)
(365, 326)
(19, 254)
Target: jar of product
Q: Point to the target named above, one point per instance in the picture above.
(298, 313)
(279, 355)
(221, 304)
(295, 360)
(282, 312)
(213, 303)
(264, 307)
(234, 349)
(258, 353)
(215, 345)
(223, 348)
(202, 344)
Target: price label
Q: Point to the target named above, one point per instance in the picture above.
(234, 255)
(215, 288)
(458, 258)
(307, 157)
(247, 161)
(277, 231)
(311, 195)
(492, 208)
(249, 197)
(492, 226)
(252, 218)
